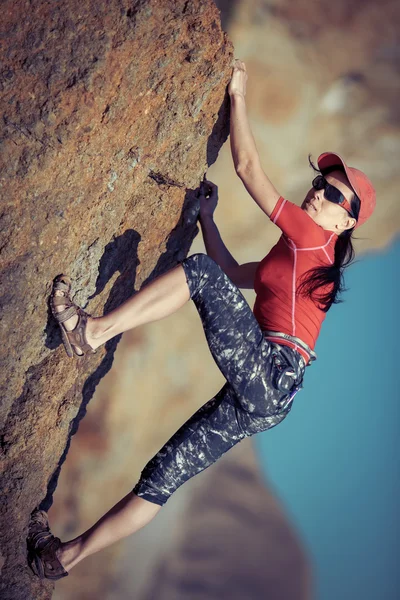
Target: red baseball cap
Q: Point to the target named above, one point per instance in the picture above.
(358, 181)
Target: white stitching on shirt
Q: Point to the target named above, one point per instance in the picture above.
(328, 257)
(279, 211)
(319, 247)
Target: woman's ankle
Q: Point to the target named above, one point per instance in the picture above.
(97, 333)
(94, 327)
(94, 332)
(69, 553)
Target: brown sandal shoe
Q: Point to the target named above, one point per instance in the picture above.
(77, 337)
(42, 546)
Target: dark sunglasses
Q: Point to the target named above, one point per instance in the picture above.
(331, 193)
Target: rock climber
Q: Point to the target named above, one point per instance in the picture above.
(262, 353)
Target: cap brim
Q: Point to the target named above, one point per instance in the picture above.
(330, 159)
(359, 183)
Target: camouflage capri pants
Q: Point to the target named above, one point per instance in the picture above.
(262, 380)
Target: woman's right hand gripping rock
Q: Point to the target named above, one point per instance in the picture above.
(208, 195)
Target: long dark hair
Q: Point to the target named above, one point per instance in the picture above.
(333, 274)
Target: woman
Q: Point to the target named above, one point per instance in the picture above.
(262, 355)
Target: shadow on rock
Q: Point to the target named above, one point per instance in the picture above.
(121, 254)
(220, 131)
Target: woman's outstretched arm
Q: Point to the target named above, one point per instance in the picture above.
(243, 147)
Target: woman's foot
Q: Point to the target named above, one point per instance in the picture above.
(77, 327)
(43, 546)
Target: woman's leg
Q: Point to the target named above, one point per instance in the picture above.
(199, 442)
(246, 359)
(129, 515)
(229, 324)
(248, 403)
(215, 428)
(156, 300)
(234, 336)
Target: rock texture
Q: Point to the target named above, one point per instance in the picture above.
(111, 113)
(302, 97)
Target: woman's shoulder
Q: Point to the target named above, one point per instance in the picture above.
(297, 225)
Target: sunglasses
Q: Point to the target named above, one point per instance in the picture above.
(331, 193)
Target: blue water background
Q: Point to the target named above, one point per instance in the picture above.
(334, 461)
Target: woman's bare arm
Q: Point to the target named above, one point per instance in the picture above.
(259, 186)
(244, 152)
(243, 275)
(246, 159)
(215, 247)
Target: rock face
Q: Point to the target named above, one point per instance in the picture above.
(301, 97)
(111, 113)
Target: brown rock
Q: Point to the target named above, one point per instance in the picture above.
(111, 114)
(302, 97)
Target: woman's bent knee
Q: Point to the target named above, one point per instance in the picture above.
(201, 261)
(149, 493)
(199, 269)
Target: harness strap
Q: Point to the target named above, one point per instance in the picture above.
(294, 340)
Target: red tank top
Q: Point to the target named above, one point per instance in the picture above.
(303, 245)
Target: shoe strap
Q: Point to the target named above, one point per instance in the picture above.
(59, 300)
(77, 337)
(51, 545)
(66, 314)
(39, 540)
(63, 287)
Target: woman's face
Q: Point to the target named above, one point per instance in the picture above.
(325, 213)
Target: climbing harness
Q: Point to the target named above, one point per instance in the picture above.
(294, 340)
